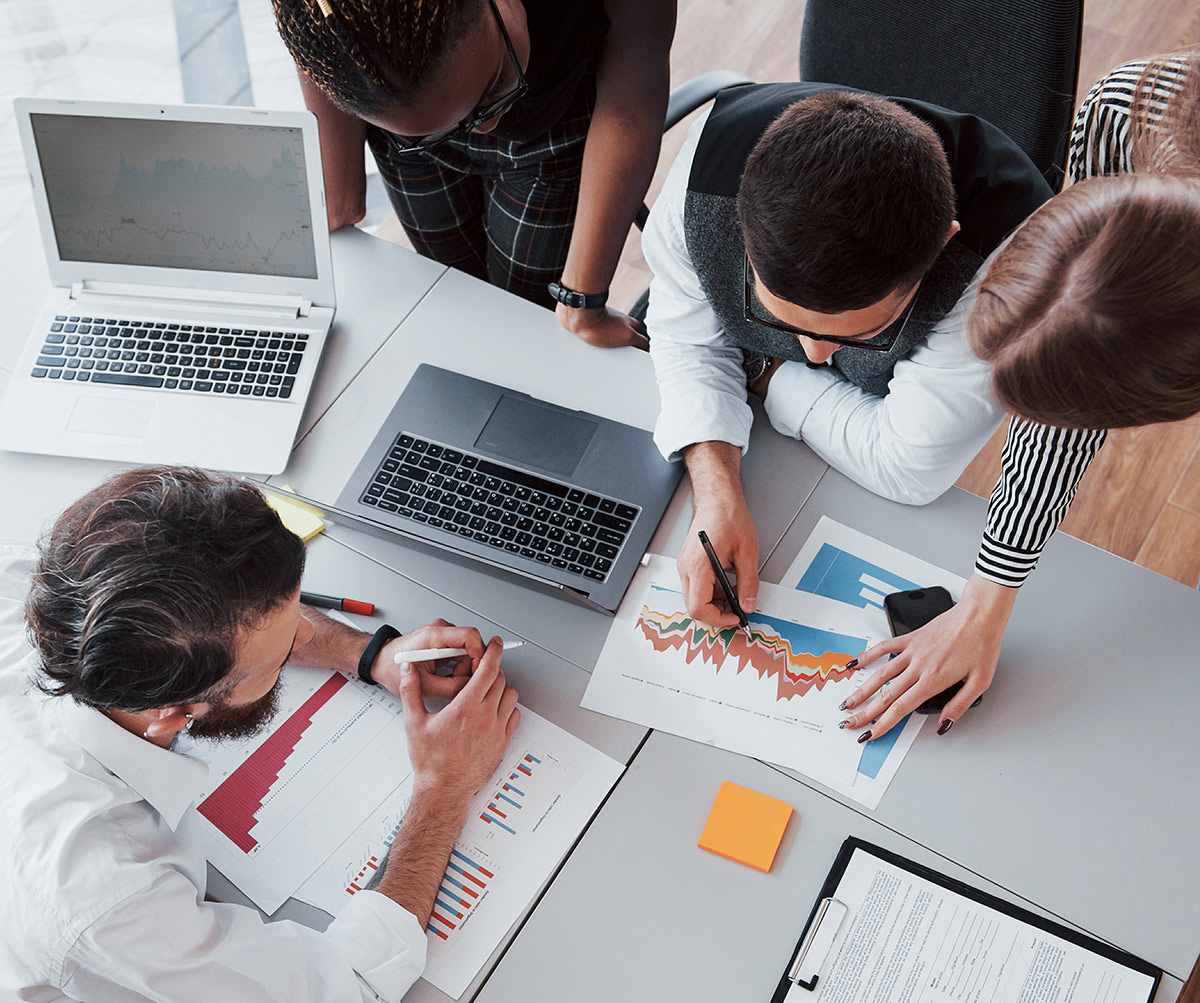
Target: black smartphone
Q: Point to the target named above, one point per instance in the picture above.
(906, 611)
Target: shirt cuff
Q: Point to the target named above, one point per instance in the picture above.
(383, 942)
(702, 417)
(792, 393)
(1005, 565)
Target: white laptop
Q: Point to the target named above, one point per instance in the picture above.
(192, 293)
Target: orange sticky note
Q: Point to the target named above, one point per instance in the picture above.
(745, 826)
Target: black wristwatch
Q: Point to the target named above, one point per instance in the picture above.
(367, 659)
(577, 301)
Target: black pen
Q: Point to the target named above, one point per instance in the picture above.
(724, 582)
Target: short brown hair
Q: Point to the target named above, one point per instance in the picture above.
(845, 199)
(1090, 315)
(143, 584)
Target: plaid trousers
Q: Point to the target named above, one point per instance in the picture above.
(499, 210)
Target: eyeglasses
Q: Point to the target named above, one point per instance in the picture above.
(878, 342)
(483, 113)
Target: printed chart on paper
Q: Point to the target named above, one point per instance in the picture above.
(773, 694)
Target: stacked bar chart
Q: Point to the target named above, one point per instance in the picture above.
(506, 801)
(520, 824)
(232, 807)
(281, 803)
(463, 886)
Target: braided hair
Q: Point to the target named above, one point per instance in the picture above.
(368, 54)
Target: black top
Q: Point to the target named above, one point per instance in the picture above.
(996, 185)
(565, 37)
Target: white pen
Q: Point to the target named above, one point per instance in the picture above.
(433, 654)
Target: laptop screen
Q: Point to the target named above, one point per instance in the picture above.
(177, 194)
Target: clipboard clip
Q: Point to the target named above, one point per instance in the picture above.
(815, 946)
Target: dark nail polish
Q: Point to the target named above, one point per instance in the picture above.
(864, 737)
(945, 726)
(844, 704)
(852, 664)
(844, 724)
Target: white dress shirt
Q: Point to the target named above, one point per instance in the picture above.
(908, 446)
(103, 901)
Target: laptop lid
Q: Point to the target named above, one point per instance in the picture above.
(224, 200)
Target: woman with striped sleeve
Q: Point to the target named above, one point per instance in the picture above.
(1090, 317)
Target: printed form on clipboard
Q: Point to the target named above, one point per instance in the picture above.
(886, 930)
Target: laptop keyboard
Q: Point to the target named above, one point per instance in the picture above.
(508, 509)
(183, 357)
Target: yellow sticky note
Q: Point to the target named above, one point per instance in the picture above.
(745, 826)
(301, 519)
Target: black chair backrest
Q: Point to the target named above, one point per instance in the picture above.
(1012, 62)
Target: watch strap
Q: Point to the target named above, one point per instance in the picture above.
(577, 300)
(381, 637)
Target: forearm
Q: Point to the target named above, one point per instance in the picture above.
(1040, 471)
(417, 860)
(343, 161)
(715, 472)
(618, 162)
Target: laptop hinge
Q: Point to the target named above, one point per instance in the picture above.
(118, 294)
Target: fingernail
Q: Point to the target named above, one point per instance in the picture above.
(864, 737)
(945, 726)
(852, 664)
(845, 704)
(844, 724)
(750, 603)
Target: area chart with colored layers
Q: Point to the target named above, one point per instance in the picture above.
(772, 693)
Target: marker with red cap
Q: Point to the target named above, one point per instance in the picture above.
(332, 602)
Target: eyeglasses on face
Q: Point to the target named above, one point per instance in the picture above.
(872, 341)
(483, 113)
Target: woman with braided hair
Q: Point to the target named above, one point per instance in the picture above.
(516, 138)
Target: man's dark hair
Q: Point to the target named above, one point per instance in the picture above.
(369, 54)
(143, 584)
(845, 199)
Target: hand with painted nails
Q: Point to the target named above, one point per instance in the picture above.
(960, 646)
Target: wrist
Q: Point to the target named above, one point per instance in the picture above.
(446, 796)
(576, 320)
(988, 604)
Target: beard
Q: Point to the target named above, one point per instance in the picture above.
(223, 722)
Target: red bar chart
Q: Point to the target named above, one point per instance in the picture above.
(232, 807)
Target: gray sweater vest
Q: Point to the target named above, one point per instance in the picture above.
(996, 184)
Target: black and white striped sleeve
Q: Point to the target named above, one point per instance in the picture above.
(1041, 467)
(1101, 137)
(1040, 472)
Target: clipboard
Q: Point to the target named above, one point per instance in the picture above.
(825, 919)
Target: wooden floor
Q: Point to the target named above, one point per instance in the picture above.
(1141, 498)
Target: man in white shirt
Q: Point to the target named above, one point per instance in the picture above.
(167, 600)
(818, 244)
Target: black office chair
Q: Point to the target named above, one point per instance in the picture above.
(1012, 62)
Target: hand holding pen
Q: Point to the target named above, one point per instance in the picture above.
(723, 581)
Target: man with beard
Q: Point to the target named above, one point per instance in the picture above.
(167, 600)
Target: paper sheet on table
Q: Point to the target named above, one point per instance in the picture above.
(909, 938)
(843, 564)
(521, 825)
(774, 695)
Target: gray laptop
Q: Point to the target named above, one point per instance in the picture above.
(191, 283)
(565, 497)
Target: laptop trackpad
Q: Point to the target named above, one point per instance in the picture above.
(530, 433)
(123, 419)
